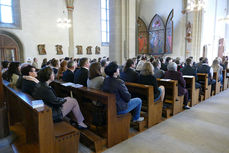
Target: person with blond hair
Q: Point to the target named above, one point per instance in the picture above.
(218, 68)
(147, 77)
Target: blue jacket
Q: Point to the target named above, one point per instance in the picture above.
(68, 76)
(118, 87)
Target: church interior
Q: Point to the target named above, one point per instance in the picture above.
(114, 76)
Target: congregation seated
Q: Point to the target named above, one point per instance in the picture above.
(188, 69)
(63, 67)
(103, 63)
(95, 78)
(13, 73)
(205, 68)
(44, 63)
(163, 66)
(174, 75)
(128, 74)
(35, 64)
(200, 62)
(68, 75)
(55, 65)
(5, 65)
(60, 106)
(179, 64)
(219, 69)
(158, 72)
(29, 80)
(146, 77)
(81, 74)
(141, 63)
(117, 86)
(224, 62)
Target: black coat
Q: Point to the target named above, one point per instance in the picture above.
(118, 87)
(129, 76)
(47, 94)
(68, 76)
(28, 86)
(188, 70)
(81, 76)
(150, 80)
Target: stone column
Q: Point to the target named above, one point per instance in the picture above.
(70, 7)
(115, 47)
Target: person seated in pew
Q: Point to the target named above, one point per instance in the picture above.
(29, 80)
(224, 63)
(128, 73)
(68, 76)
(103, 65)
(163, 66)
(60, 106)
(117, 86)
(44, 63)
(158, 73)
(218, 68)
(55, 65)
(174, 75)
(12, 74)
(204, 68)
(81, 74)
(146, 77)
(141, 63)
(200, 62)
(63, 67)
(190, 70)
(5, 65)
(95, 78)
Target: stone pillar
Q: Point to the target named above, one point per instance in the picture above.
(70, 7)
(115, 47)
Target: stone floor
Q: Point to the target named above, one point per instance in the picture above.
(202, 129)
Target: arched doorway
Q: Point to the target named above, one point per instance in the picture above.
(10, 47)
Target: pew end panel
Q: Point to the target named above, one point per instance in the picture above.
(171, 95)
(203, 79)
(146, 93)
(117, 126)
(218, 84)
(193, 92)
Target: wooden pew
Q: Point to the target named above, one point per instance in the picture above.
(116, 128)
(218, 84)
(203, 79)
(41, 133)
(193, 92)
(171, 96)
(146, 93)
(225, 80)
(227, 76)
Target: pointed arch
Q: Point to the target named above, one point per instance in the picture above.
(143, 37)
(169, 33)
(156, 35)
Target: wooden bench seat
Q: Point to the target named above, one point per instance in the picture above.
(217, 85)
(225, 80)
(116, 128)
(171, 97)
(193, 92)
(47, 136)
(153, 109)
(206, 89)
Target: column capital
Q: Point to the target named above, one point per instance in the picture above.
(70, 5)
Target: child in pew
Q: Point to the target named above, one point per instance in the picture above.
(147, 78)
(60, 106)
(117, 86)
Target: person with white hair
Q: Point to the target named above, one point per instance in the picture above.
(218, 68)
(173, 74)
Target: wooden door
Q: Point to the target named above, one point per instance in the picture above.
(9, 49)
